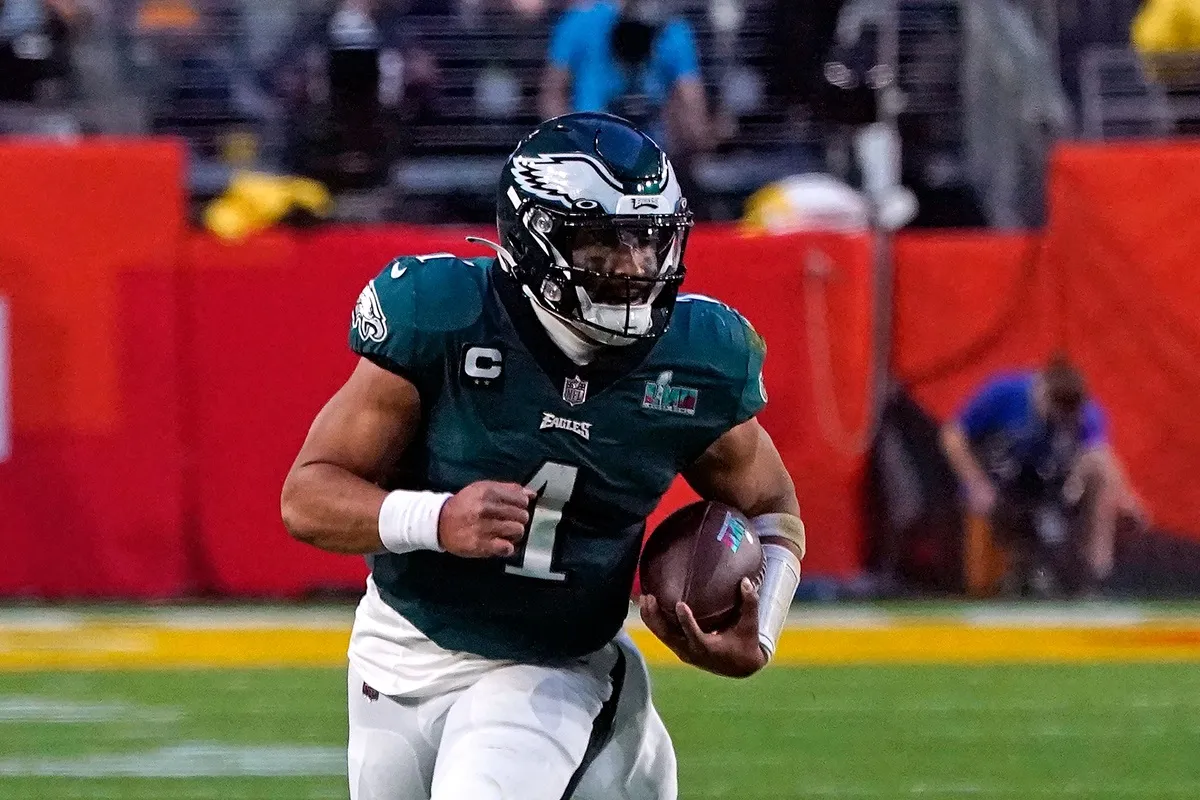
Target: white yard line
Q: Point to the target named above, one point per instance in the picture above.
(969, 790)
(254, 619)
(188, 760)
(25, 709)
(1102, 616)
(1089, 706)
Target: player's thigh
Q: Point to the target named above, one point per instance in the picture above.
(522, 732)
(393, 743)
(638, 760)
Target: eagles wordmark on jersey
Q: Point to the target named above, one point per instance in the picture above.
(545, 401)
(599, 443)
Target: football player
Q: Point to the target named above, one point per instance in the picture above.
(495, 454)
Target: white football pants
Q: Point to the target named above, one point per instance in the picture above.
(587, 731)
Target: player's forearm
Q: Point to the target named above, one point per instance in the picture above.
(552, 99)
(332, 509)
(958, 452)
(688, 118)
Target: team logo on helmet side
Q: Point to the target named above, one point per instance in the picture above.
(567, 178)
(580, 182)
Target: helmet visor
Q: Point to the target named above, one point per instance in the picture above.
(621, 263)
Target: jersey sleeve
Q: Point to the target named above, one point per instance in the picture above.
(679, 51)
(406, 319)
(383, 325)
(754, 389)
(563, 40)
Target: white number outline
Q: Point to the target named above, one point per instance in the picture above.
(554, 483)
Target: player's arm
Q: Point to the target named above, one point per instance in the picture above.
(981, 494)
(552, 97)
(743, 469)
(981, 416)
(331, 498)
(553, 94)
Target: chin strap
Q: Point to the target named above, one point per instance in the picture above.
(574, 344)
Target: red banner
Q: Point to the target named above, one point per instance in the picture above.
(266, 327)
(91, 499)
(162, 382)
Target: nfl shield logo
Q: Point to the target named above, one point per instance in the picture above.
(575, 390)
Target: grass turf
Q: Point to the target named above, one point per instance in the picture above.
(1017, 731)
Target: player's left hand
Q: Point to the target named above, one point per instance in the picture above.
(733, 652)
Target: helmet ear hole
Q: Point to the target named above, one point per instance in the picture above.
(551, 291)
(540, 221)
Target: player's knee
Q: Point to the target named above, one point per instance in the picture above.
(384, 766)
(504, 762)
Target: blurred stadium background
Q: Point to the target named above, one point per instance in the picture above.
(189, 205)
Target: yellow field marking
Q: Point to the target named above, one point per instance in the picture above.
(960, 644)
(147, 645)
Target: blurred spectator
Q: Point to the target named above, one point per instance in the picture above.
(827, 58)
(198, 86)
(352, 82)
(636, 60)
(470, 11)
(859, 91)
(1166, 26)
(1167, 34)
(35, 51)
(1032, 456)
(526, 8)
(802, 34)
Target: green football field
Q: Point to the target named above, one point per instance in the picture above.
(1006, 731)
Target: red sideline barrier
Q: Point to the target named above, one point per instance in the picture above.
(91, 502)
(266, 328)
(163, 381)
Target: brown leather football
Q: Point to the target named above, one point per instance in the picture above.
(699, 555)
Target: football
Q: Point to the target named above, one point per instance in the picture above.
(699, 554)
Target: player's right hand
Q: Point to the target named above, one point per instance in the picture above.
(485, 519)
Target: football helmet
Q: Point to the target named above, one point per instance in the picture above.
(593, 225)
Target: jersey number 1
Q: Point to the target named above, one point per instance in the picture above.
(554, 484)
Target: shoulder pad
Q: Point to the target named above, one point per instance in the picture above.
(717, 322)
(731, 344)
(403, 314)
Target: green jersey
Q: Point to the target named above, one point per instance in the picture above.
(600, 444)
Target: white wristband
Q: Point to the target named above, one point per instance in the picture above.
(408, 521)
(781, 573)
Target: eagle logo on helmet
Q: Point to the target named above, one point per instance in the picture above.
(576, 180)
(368, 316)
(593, 178)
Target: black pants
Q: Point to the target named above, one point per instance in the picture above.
(1047, 537)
